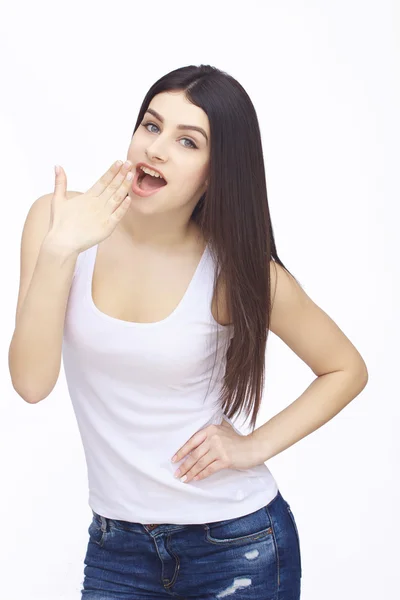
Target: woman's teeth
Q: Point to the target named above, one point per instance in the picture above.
(150, 172)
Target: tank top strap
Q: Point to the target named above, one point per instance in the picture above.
(198, 296)
(195, 297)
(81, 262)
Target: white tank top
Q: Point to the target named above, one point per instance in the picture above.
(139, 392)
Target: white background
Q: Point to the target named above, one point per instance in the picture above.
(323, 77)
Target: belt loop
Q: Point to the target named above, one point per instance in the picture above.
(103, 524)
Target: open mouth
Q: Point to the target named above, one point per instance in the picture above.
(147, 182)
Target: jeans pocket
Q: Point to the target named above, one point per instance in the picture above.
(240, 530)
(293, 520)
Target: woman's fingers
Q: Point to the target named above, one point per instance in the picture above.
(107, 178)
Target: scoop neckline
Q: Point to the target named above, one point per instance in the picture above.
(121, 322)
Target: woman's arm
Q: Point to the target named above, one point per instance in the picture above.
(45, 279)
(341, 371)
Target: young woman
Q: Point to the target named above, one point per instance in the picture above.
(160, 290)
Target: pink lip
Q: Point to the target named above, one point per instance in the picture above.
(136, 189)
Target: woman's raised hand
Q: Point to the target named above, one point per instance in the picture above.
(84, 220)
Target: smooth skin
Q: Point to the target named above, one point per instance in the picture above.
(79, 222)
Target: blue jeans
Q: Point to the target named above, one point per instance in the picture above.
(254, 557)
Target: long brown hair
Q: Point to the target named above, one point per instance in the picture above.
(234, 217)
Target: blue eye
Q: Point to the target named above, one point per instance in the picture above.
(193, 145)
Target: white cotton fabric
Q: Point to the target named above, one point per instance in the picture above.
(139, 392)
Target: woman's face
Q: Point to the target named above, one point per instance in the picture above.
(181, 155)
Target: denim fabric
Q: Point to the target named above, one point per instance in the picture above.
(253, 557)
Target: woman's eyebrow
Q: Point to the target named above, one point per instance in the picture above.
(194, 127)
